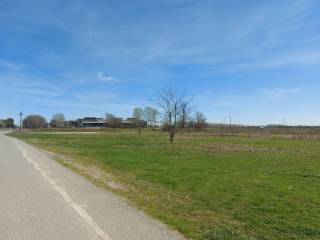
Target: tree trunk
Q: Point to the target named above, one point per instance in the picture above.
(172, 133)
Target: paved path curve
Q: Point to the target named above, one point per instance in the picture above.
(42, 200)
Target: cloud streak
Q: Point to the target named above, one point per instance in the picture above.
(81, 52)
(281, 93)
(105, 78)
(11, 66)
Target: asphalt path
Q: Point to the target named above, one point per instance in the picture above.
(42, 200)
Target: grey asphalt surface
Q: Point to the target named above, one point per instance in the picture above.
(42, 200)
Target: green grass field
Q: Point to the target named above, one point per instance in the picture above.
(207, 187)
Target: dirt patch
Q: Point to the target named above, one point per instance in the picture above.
(119, 146)
(64, 133)
(99, 176)
(92, 172)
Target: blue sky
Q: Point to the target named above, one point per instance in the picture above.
(258, 61)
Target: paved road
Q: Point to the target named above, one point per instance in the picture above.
(42, 200)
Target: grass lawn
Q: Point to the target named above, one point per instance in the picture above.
(207, 187)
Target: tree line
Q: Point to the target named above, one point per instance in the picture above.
(175, 111)
(7, 123)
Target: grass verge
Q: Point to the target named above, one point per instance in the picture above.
(207, 187)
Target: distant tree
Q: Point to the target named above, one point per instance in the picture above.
(186, 111)
(155, 114)
(138, 118)
(34, 121)
(199, 120)
(58, 121)
(10, 123)
(151, 115)
(147, 115)
(112, 121)
(172, 102)
(7, 123)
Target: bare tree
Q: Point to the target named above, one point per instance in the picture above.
(148, 115)
(138, 118)
(154, 118)
(34, 121)
(199, 120)
(186, 110)
(113, 121)
(58, 120)
(151, 115)
(172, 102)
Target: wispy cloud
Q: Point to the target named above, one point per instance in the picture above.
(8, 65)
(22, 85)
(224, 104)
(289, 59)
(74, 55)
(280, 93)
(102, 107)
(105, 78)
(39, 92)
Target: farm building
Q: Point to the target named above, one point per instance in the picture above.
(91, 122)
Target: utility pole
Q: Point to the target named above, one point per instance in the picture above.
(230, 121)
(20, 114)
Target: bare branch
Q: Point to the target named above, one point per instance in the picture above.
(174, 105)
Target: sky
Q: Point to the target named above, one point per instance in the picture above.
(258, 61)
